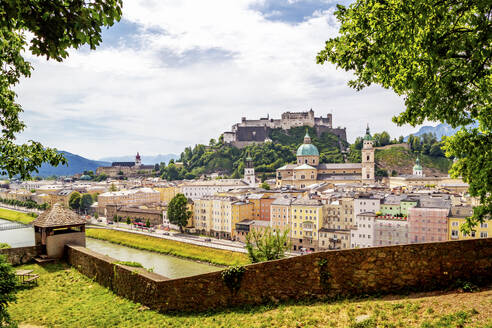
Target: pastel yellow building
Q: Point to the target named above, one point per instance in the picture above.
(167, 193)
(280, 216)
(241, 210)
(307, 219)
(458, 218)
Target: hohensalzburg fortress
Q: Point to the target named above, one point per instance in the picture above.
(258, 131)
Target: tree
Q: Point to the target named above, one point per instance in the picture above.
(112, 188)
(115, 218)
(74, 201)
(437, 55)
(96, 215)
(8, 288)
(86, 202)
(147, 223)
(265, 186)
(54, 27)
(267, 245)
(128, 221)
(177, 211)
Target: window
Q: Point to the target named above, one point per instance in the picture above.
(483, 234)
(484, 225)
(455, 224)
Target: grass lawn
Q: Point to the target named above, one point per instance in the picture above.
(66, 298)
(170, 247)
(15, 216)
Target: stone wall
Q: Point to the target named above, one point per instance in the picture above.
(351, 272)
(21, 255)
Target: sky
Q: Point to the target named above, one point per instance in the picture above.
(175, 73)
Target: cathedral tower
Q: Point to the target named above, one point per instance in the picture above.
(368, 158)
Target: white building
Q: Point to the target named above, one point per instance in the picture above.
(363, 235)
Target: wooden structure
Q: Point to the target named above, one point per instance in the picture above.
(57, 227)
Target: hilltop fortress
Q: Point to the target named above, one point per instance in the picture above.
(257, 131)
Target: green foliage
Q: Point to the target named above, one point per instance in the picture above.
(4, 245)
(267, 245)
(27, 204)
(8, 288)
(128, 221)
(438, 56)
(177, 211)
(147, 223)
(112, 187)
(100, 177)
(232, 277)
(130, 264)
(267, 157)
(265, 186)
(74, 201)
(85, 202)
(324, 274)
(54, 27)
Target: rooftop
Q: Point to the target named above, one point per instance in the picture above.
(58, 216)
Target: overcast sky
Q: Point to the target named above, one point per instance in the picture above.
(174, 73)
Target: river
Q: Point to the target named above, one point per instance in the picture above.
(168, 266)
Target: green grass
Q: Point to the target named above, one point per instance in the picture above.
(16, 216)
(66, 298)
(170, 247)
(4, 245)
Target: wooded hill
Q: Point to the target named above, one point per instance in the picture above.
(267, 157)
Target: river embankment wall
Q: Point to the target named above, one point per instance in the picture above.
(353, 272)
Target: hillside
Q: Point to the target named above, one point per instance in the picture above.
(75, 164)
(402, 160)
(267, 157)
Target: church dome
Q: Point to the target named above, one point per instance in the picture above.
(307, 148)
(417, 166)
(368, 136)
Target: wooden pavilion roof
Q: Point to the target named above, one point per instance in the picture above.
(58, 216)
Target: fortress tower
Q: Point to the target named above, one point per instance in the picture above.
(368, 158)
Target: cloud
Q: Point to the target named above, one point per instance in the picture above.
(177, 73)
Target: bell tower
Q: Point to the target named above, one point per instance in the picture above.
(249, 172)
(138, 160)
(367, 158)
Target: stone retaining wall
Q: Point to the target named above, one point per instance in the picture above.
(21, 255)
(351, 272)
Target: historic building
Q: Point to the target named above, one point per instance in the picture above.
(258, 131)
(126, 168)
(307, 170)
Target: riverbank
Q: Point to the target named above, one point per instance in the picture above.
(16, 216)
(170, 247)
(66, 298)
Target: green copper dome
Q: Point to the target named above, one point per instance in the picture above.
(307, 149)
(417, 165)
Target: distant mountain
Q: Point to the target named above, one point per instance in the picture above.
(147, 160)
(76, 164)
(439, 130)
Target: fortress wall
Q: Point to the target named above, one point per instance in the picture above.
(352, 272)
(21, 255)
